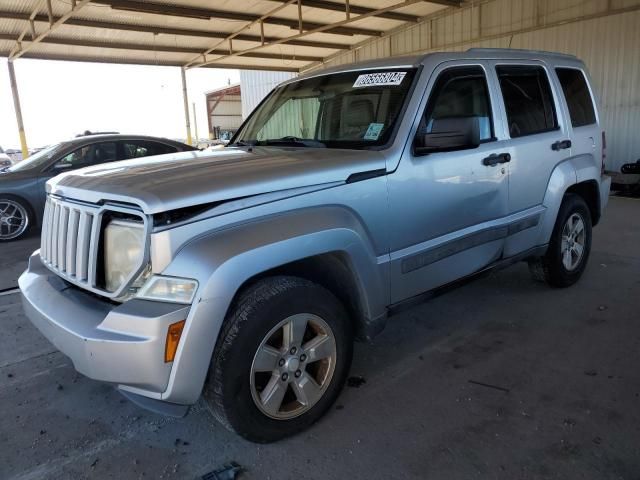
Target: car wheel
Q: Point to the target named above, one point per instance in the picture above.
(15, 219)
(570, 245)
(281, 359)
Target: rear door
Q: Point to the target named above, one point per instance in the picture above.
(144, 148)
(537, 137)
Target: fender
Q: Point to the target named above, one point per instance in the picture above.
(223, 261)
(578, 169)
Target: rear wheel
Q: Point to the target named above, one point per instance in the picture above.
(15, 219)
(281, 360)
(570, 245)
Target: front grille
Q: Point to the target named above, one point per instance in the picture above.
(69, 240)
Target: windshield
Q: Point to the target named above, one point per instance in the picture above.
(36, 160)
(342, 110)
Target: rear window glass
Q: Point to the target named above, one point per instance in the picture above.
(527, 99)
(579, 101)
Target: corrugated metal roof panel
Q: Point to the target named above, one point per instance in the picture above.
(175, 36)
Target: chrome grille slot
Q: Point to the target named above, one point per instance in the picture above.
(70, 246)
(67, 235)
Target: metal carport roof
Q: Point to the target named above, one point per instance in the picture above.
(286, 35)
(282, 35)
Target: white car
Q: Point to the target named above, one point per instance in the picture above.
(5, 161)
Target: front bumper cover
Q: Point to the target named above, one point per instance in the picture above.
(121, 344)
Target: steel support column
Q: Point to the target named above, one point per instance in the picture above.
(18, 110)
(185, 97)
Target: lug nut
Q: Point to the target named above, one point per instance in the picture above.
(293, 350)
(303, 357)
(285, 377)
(298, 373)
(281, 362)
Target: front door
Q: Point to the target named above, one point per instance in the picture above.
(446, 206)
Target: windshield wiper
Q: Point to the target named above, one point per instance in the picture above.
(295, 141)
(243, 143)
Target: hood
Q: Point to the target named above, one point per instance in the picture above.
(168, 182)
(6, 176)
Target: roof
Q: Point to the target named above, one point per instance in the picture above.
(417, 60)
(118, 136)
(233, 89)
(285, 35)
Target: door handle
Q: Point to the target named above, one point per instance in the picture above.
(496, 158)
(561, 145)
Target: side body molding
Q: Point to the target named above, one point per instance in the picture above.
(223, 261)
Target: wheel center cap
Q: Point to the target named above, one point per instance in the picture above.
(292, 364)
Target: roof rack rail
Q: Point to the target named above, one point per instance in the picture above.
(521, 50)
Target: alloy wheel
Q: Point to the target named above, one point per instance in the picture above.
(573, 241)
(14, 219)
(293, 366)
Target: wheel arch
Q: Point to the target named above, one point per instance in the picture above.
(579, 175)
(335, 272)
(589, 190)
(325, 245)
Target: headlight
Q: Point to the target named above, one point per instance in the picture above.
(169, 289)
(123, 250)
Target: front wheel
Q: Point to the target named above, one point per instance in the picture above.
(281, 359)
(15, 219)
(570, 245)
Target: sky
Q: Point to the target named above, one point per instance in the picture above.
(61, 99)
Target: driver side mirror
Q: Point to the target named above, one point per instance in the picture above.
(449, 133)
(61, 167)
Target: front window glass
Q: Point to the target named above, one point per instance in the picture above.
(88, 155)
(461, 92)
(37, 160)
(343, 110)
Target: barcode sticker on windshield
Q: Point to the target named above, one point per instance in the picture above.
(379, 79)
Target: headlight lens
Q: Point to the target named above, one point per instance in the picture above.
(169, 289)
(123, 250)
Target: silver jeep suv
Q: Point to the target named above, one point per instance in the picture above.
(246, 275)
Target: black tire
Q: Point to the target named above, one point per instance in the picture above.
(550, 268)
(28, 211)
(256, 312)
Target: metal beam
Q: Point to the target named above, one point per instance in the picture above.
(340, 7)
(447, 3)
(352, 18)
(185, 98)
(170, 31)
(18, 110)
(157, 48)
(153, 62)
(260, 20)
(207, 14)
(21, 50)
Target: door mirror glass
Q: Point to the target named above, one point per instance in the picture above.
(448, 133)
(61, 166)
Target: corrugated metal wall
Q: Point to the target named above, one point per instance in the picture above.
(605, 34)
(256, 84)
(227, 114)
